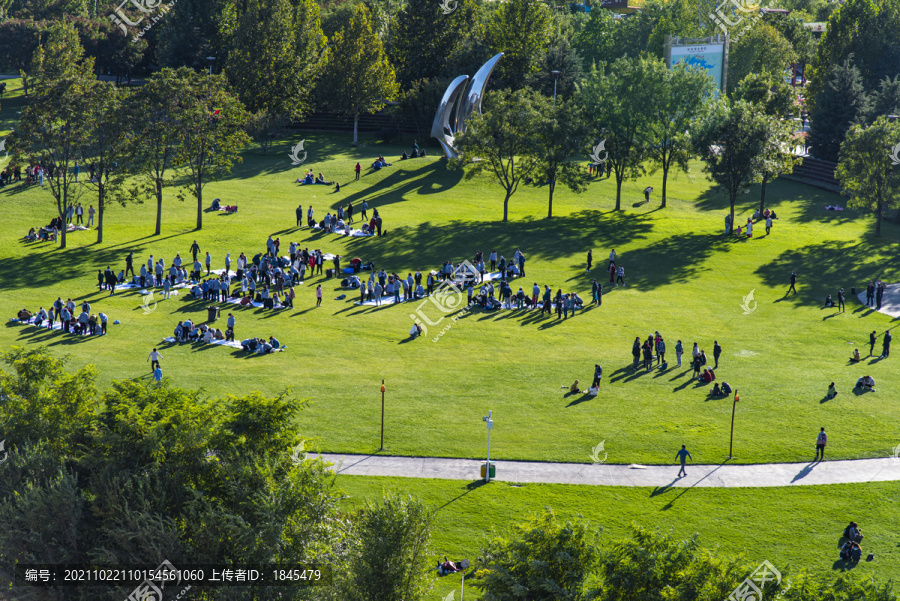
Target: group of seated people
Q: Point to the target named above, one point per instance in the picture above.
(449, 567)
(765, 215)
(707, 376)
(217, 206)
(866, 383)
(187, 331)
(593, 390)
(850, 549)
(723, 391)
(46, 233)
(379, 163)
(308, 179)
(261, 346)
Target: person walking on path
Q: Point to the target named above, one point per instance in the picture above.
(154, 358)
(195, 250)
(683, 455)
(793, 282)
(872, 338)
(841, 308)
(821, 441)
(299, 213)
(590, 259)
(886, 345)
(358, 169)
(319, 295)
(717, 350)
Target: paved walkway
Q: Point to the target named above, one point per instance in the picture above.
(723, 476)
(890, 302)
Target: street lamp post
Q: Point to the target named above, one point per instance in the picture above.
(555, 75)
(490, 425)
(733, 408)
(381, 448)
(211, 60)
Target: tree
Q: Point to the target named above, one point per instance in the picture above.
(559, 131)
(841, 103)
(676, 98)
(105, 145)
(886, 100)
(761, 50)
(560, 56)
(156, 112)
(769, 92)
(732, 142)
(866, 170)
(777, 156)
(210, 133)
(520, 29)
(278, 56)
(539, 559)
(611, 97)
(54, 126)
(361, 79)
(387, 557)
(498, 138)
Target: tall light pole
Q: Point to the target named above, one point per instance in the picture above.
(555, 75)
(733, 408)
(211, 60)
(490, 425)
(381, 448)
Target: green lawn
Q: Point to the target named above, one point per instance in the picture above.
(794, 528)
(685, 279)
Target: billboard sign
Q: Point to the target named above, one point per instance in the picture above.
(709, 55)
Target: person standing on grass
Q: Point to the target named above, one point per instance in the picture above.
(195, 250)
(886, 345)
(717, 350)
(358, 169)
(157, 374)
(636, 352)
(365, 211)
(612, 257)
(621, 276)
(821, 441)
(679, 350)
(154, 358)
(590, 259)
(879, 293)
(768, 225)
(661, 352)
(299, 214)
(231, 322)
(683, 455)
(793, 282)
(598, 373)
(870, 294)
(872, 338)
(91, 213)
(319, 295)
(841, 301)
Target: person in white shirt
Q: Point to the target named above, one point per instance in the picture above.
(612, 256)
(154, 358)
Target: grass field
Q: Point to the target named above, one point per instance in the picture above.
(795, 528)
(684, 277)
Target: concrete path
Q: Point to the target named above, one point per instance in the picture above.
(723, 476)
(890, 302)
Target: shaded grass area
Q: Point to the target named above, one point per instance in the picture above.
(793, 528)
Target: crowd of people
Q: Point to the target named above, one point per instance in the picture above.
(72, 318)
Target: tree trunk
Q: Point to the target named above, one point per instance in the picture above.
(762, 195)
(665, 182)
(550, 206)
(100, 202)
(199, 202)
(506, 204)
(355, 128)
(158, 209)
(62, 231)
(878, 217)
(732, 196)
(618, 191)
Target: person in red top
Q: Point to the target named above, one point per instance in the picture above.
(358, 169)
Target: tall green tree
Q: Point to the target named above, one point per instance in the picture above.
(675, 101)
(770, 93)
(520, 29)
(611, 96)
(360, 78)
(732, 142)
(278, 54)
(156, 112)
(499, 141)
(54, 124)
(387, 558)
(210, 133)
(777, 157)
(541, 559)
(761, 50)
(840, 103)
(867, 170)
(559, 131)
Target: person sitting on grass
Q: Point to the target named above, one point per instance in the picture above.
(851, 551)
(716, 391)
(866, 383)
(726, 388)
(852, 533)
(828, 301)
(855, 356)
(832, 391)
(573, 388)
(24, 315)
(321, 180)
(593, 390)
(448, 567)
(215, 205)
(415, 331)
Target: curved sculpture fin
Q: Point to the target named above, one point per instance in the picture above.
(442, 128)
(472, 100)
